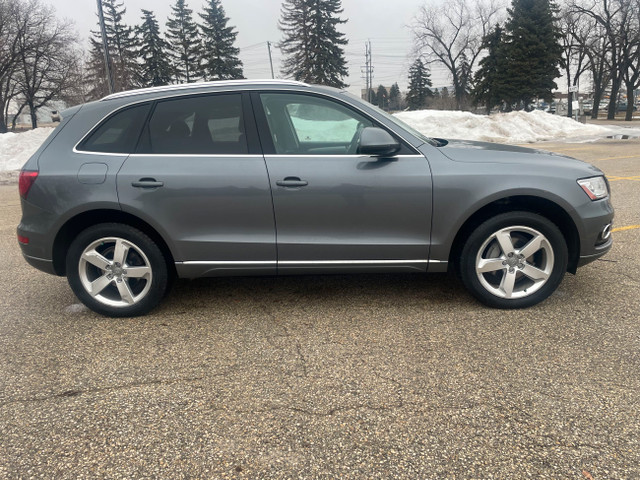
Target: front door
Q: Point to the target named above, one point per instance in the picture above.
(337, 210)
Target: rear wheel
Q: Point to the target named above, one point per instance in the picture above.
(514, 260)
(117, 270)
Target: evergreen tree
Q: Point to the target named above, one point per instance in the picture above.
(123, 46)
(394, 97)
(382, 97)
(184, 42)
(419, 83)
(490, 87)
(220, 55)
(312, 44)
(96, 74)
(373, 97)
(533, 51)
(155, 69)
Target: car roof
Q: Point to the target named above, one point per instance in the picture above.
(199, 85)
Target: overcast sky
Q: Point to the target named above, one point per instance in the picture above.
(384, 22)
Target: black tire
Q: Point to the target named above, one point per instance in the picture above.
(513, 279)
(126, 288)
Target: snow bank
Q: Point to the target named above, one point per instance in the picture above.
(16, 148)
(513, 127)
(325, 130)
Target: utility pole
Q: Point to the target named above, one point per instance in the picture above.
(270, 60)
(107, 58)
(367, 70)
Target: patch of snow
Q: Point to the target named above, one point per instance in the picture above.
(324, 130)
(16, 148)
(76, 308)
(513, 127)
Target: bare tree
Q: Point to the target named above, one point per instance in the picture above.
(597, 49)
(47, 59)
(618, 19)
(575, 31)
(37, 58)
(12, 26)
(452, 33)
(630, 64)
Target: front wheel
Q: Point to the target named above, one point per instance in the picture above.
(116, 270)
(513, 260)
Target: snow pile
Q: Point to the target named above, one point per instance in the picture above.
(16, 148)
(325, 130)
(513, 127)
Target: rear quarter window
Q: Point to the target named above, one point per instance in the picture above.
(118, 133)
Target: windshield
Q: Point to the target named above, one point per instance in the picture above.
(399, 123)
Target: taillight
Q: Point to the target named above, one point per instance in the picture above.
(27, 177)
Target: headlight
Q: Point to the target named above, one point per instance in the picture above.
(594, 187)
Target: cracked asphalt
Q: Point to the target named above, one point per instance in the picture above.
(384, 376)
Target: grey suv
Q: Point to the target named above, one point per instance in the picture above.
(279, 177)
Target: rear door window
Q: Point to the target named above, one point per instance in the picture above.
(202, 125)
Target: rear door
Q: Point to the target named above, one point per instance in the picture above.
(200, 179)
(337, 210)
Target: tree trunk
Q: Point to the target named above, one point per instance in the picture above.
(613, 101)
(34, 116)
(3, 118)
(630, 101)
(597, 97)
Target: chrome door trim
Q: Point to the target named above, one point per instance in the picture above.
(308, 262)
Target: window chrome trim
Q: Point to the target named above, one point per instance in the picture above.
(198, 155)
(252, 88)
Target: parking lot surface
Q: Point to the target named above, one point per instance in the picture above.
(382, 376)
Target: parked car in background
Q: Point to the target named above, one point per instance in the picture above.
(622, 107)
(55, 116)
(283, 178)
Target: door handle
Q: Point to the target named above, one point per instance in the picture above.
(292, 182)
(147, 183)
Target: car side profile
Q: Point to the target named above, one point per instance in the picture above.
(284, 178)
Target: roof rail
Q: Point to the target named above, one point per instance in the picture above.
(186, 86)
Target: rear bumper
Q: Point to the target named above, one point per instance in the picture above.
(40, 263)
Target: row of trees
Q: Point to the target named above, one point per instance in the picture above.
(191, 49)
(508, 58)
(140, 56)
(494, 56)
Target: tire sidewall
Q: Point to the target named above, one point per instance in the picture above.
(158, 264)
(467, 261)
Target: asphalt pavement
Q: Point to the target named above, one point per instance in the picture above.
(381, 376)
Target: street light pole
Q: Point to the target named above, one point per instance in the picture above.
(107, 58)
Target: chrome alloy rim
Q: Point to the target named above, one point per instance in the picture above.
(514, 262)
(115, 272)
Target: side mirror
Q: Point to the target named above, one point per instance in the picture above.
(378, 142)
